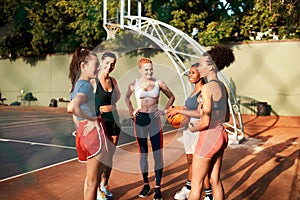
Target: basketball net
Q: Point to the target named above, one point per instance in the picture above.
(111, 30)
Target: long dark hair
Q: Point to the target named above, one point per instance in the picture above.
(80, 55)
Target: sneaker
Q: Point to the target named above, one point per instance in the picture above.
(106, 191)
(207, 198)
(182, 194)
(157, 194)
(145, 191)
(101, 195)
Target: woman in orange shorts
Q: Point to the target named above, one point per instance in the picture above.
(214, 112)
(91, 142)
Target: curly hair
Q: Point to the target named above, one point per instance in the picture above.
(222, 56)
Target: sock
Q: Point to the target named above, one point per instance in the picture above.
(208, 193)
(188, 184)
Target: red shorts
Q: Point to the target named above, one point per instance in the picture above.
(211, 141)
(91, 144)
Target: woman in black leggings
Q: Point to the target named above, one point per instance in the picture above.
(147, 121)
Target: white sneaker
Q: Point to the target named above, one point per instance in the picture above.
(106, 191)
(101, 195)
(182, 194)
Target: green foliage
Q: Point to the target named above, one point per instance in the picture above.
(35, 28)
(42, 27)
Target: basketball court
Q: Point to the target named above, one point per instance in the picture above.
(39, 141)
(38, 152)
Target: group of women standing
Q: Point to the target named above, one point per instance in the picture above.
(94, 96)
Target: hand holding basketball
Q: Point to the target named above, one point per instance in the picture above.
(176, 119)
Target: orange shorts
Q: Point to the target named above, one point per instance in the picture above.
(91, 144)
(211, 141)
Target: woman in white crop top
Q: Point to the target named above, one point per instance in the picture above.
(147, 121)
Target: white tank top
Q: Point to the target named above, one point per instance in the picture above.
(140, 93)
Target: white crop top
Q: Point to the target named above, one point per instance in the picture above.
(140, 93)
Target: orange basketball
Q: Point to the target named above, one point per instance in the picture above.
(178, 120)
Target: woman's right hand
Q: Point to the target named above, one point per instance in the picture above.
(135, 112)
(90, 126)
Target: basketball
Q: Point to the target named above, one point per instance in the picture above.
(178, 120)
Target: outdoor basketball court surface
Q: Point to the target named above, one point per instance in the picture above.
(38, 159)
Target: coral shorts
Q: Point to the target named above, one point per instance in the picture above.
(89, 145)
(211, 141)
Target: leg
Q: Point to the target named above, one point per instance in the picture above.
(200, 168)
(94, 169)
(156, 142)
(189, 158)
(216, 183)
(106, 174)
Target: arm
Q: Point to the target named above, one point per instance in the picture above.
(164, 88)
(227, 115)
(79, 99)
(127, 99)
(184, 111)
(205, 111)
(92, 123)
(117, 89)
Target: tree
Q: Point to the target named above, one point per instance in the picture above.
(43, 27)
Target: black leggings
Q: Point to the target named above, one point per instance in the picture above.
(146, 124)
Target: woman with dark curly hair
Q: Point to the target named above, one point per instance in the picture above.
(214, 111)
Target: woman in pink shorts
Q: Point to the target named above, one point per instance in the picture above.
(214, 112)
(90, 136)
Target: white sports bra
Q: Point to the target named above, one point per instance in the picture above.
(140, 93)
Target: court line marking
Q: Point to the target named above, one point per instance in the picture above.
(36, 170)
(35, 143)
(60, 163)
(32, 121)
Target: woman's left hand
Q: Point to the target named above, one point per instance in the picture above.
(159, 113)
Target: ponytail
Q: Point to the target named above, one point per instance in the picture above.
(80, 55)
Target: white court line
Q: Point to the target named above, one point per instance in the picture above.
(60, 163)
(40, 169)
(36, 143)
(32, 121)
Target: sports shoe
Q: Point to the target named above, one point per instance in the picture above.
(207, 198)
(182, 194)
(106, 191)
(145, 191)
(157, 194)
(101, 195)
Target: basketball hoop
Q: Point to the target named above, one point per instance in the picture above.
(111, 30)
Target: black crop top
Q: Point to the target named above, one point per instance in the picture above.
(103, 97)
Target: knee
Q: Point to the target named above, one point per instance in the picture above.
(91, 183)
(214, 181)
(190, 161)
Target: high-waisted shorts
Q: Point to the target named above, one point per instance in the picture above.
(211, 141)
(111, 122)
(89, 145)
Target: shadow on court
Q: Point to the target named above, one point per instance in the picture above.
(265, 166)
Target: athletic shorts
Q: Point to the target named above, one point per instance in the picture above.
(211, 141)
(111, 122)
(91, 144)
(190, 139)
